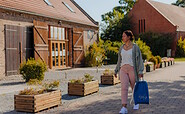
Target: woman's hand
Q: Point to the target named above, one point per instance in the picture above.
(140, 75)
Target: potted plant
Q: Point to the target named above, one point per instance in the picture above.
(84, 86)
(154, 60)
(109, 78)
(159, 61)
(149, 66)
(162, 65)
(35, 100)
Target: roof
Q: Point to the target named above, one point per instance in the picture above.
(57, 11)
(174, 14)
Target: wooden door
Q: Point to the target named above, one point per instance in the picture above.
(18, 47)
(78, 49)
(41, 41)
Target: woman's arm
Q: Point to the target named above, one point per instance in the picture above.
(118, 62)
(140, 63)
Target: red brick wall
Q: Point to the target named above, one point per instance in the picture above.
(154, 21)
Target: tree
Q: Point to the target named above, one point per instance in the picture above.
(116, 21)
(180, 3)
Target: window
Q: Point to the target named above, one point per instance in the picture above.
(68, 7)
(141, 26)
(48, 3)
(57, 33)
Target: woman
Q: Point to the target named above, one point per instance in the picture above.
(130, 67)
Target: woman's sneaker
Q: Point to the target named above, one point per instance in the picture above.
(136, 107)
(123, 110)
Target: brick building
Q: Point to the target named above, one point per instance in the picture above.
(55, 31)
(148, 15)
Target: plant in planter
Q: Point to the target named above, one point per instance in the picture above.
(159, 61)
(83, 86)
(149, 66)
(162, 65)
(109, 78)
(154, 60)
(167, 61)
(35, 100)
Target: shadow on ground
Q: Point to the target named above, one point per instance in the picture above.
(12, 83)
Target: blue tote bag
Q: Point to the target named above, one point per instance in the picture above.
(141, 93)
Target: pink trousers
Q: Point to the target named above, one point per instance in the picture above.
(126, 76)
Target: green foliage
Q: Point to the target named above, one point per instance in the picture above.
(51, 85)
(101, 51)
(30, 91)
(33, 69)
(158, 43)
(180, 51)
(111, 49)
(153, 59)
(145, 50)
(87, 78)
(159, 60)
(115, 26)
(46, 87)
(108, 72)
(180, 3)
(95, 55)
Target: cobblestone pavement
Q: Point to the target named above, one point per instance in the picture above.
(166, 89)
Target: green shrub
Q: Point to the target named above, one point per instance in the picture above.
(87, 78)
(145, 50)
(180, 51)
(158, 42)
(95, 55)
(111, 50)
(159, 60)
(153, 59)
(33, 69)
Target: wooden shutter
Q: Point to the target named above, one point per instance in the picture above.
(12, 51)
(41, 41)
(78, 49)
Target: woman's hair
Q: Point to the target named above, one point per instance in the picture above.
(129, 33)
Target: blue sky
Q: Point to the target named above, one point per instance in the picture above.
(95, 8)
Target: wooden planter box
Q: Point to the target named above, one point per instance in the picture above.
(109, 79)
(165, 63)
(83, 89)
(169, 63)
(149, 68)
(162, 65)
(173, 62)
(36, 103)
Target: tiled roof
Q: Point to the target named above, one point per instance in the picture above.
(174, 14)
(58, 11)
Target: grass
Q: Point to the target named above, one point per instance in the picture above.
(180, 59)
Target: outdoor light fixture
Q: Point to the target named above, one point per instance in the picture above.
(59, 22)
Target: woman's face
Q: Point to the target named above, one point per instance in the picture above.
(125, 38)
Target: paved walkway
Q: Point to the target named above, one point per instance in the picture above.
(166, 89)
